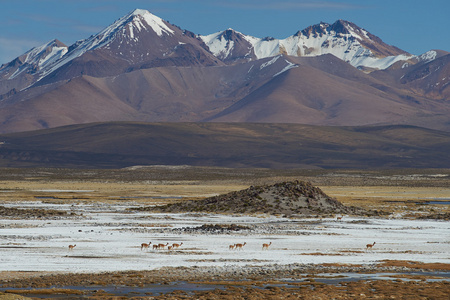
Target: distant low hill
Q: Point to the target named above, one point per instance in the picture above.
(280, 146)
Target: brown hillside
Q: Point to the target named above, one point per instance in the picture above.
(338, 96)
(279, 146)
(319, 91)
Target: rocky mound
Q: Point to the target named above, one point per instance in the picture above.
(287, 198)
(11, 212)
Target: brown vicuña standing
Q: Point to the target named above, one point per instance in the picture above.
(239, 246)
(231, 247)
(72, 246)
(169, 248)
(176, 245)
(266, 246)
(339, 219)
(155, 246)
(369, 246)
(161, 246)
(145, 246)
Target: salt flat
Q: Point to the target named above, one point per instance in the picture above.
(108, 238)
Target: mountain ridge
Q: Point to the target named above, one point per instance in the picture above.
(131, 25)
(142, 68)
(360, 49)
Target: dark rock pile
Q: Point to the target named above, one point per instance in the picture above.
(213, 229)
(286, 198)
(22, 213)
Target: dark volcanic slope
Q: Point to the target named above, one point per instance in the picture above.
(121, 144)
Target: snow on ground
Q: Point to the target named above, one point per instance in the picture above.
(108, 238)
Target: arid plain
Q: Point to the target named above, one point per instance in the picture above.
(419, 194)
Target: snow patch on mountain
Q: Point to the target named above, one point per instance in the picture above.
(264, 47)
(218, 44)
(423, 58)
(270, 62)
(379, 63)
(427, 56)
(214, 42)
(40, 57)
(288, 67)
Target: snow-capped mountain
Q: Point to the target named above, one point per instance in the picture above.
(232, 46)
(132, 38)
(137, 40)
(30, 64)
(39, 58)
(142, 68)
(343, 39)
(142, 40)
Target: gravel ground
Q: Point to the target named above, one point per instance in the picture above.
(296, 281)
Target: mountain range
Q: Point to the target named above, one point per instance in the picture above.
(142, 68)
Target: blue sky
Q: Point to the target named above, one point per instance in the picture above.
(415, 26)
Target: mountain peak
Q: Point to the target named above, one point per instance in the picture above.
(139, 12)
(35, 59)
(230, 34)
(138, 15)
(229, 45)
(124, 31)
(338, 27)
(341, 26)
